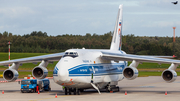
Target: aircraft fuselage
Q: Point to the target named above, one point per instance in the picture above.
(76, 67)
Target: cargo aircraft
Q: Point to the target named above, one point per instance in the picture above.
(79, 69)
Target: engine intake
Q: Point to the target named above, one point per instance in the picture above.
(40, 72)
(169, 75)
(130, 73)
(10, 75)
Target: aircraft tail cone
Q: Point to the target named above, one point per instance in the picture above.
(38, 92)
(125, 92)
(165, 92)
(3, 92)
(56, 96)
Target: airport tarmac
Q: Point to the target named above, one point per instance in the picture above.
(140, 89)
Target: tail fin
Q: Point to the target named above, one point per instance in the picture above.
(117, 39)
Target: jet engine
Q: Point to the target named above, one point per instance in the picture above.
(40, 72)
(169, 75)
(10, 74)
(130, 73)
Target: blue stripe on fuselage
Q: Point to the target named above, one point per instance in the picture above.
(97, 69)
(55, 72)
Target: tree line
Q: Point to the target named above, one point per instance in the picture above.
(40, 42)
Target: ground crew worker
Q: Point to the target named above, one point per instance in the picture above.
(37, 88)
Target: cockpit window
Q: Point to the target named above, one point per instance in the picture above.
(71, 54)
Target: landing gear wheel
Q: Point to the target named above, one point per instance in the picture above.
(65, 91)
(70, 89)
(108, 89)
(78, 92)
(74, 90)
(118, 89)
(81, 90)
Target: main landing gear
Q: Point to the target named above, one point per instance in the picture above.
(69, 91)
(113, 88)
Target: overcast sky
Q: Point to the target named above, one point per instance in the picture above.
(57, 17)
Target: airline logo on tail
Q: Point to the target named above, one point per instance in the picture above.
(119, 23)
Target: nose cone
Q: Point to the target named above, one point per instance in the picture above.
(63, 74)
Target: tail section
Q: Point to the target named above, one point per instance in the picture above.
(117, 39)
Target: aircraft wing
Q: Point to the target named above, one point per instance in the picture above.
(50, 57)
(166, 57)
(138, 58)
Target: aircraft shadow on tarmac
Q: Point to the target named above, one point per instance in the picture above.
(88, 92)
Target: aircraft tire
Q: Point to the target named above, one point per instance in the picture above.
(107, 90)
(70, 90)
(74, 90)
(81, 90)
(118, 89)
(65, 91)
(78, 92)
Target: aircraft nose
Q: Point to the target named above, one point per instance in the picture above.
(63, 74)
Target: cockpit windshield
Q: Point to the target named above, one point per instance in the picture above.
(71, 54)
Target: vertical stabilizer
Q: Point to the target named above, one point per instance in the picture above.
(117, 39)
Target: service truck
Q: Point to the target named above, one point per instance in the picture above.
(30, 85)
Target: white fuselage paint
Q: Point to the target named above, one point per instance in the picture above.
(76, 72)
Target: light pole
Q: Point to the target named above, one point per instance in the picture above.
(174, 34)
(174, 40)
(9, 50)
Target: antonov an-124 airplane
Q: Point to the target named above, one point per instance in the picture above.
(80, 69)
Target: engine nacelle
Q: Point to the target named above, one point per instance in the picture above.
(40, 72)
(10, 74)
(169, 75)
(130, 73)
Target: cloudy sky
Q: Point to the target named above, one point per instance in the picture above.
(57, 17)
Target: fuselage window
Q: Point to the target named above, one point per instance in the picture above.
(71, 54)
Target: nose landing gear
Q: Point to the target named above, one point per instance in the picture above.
(75, 91)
